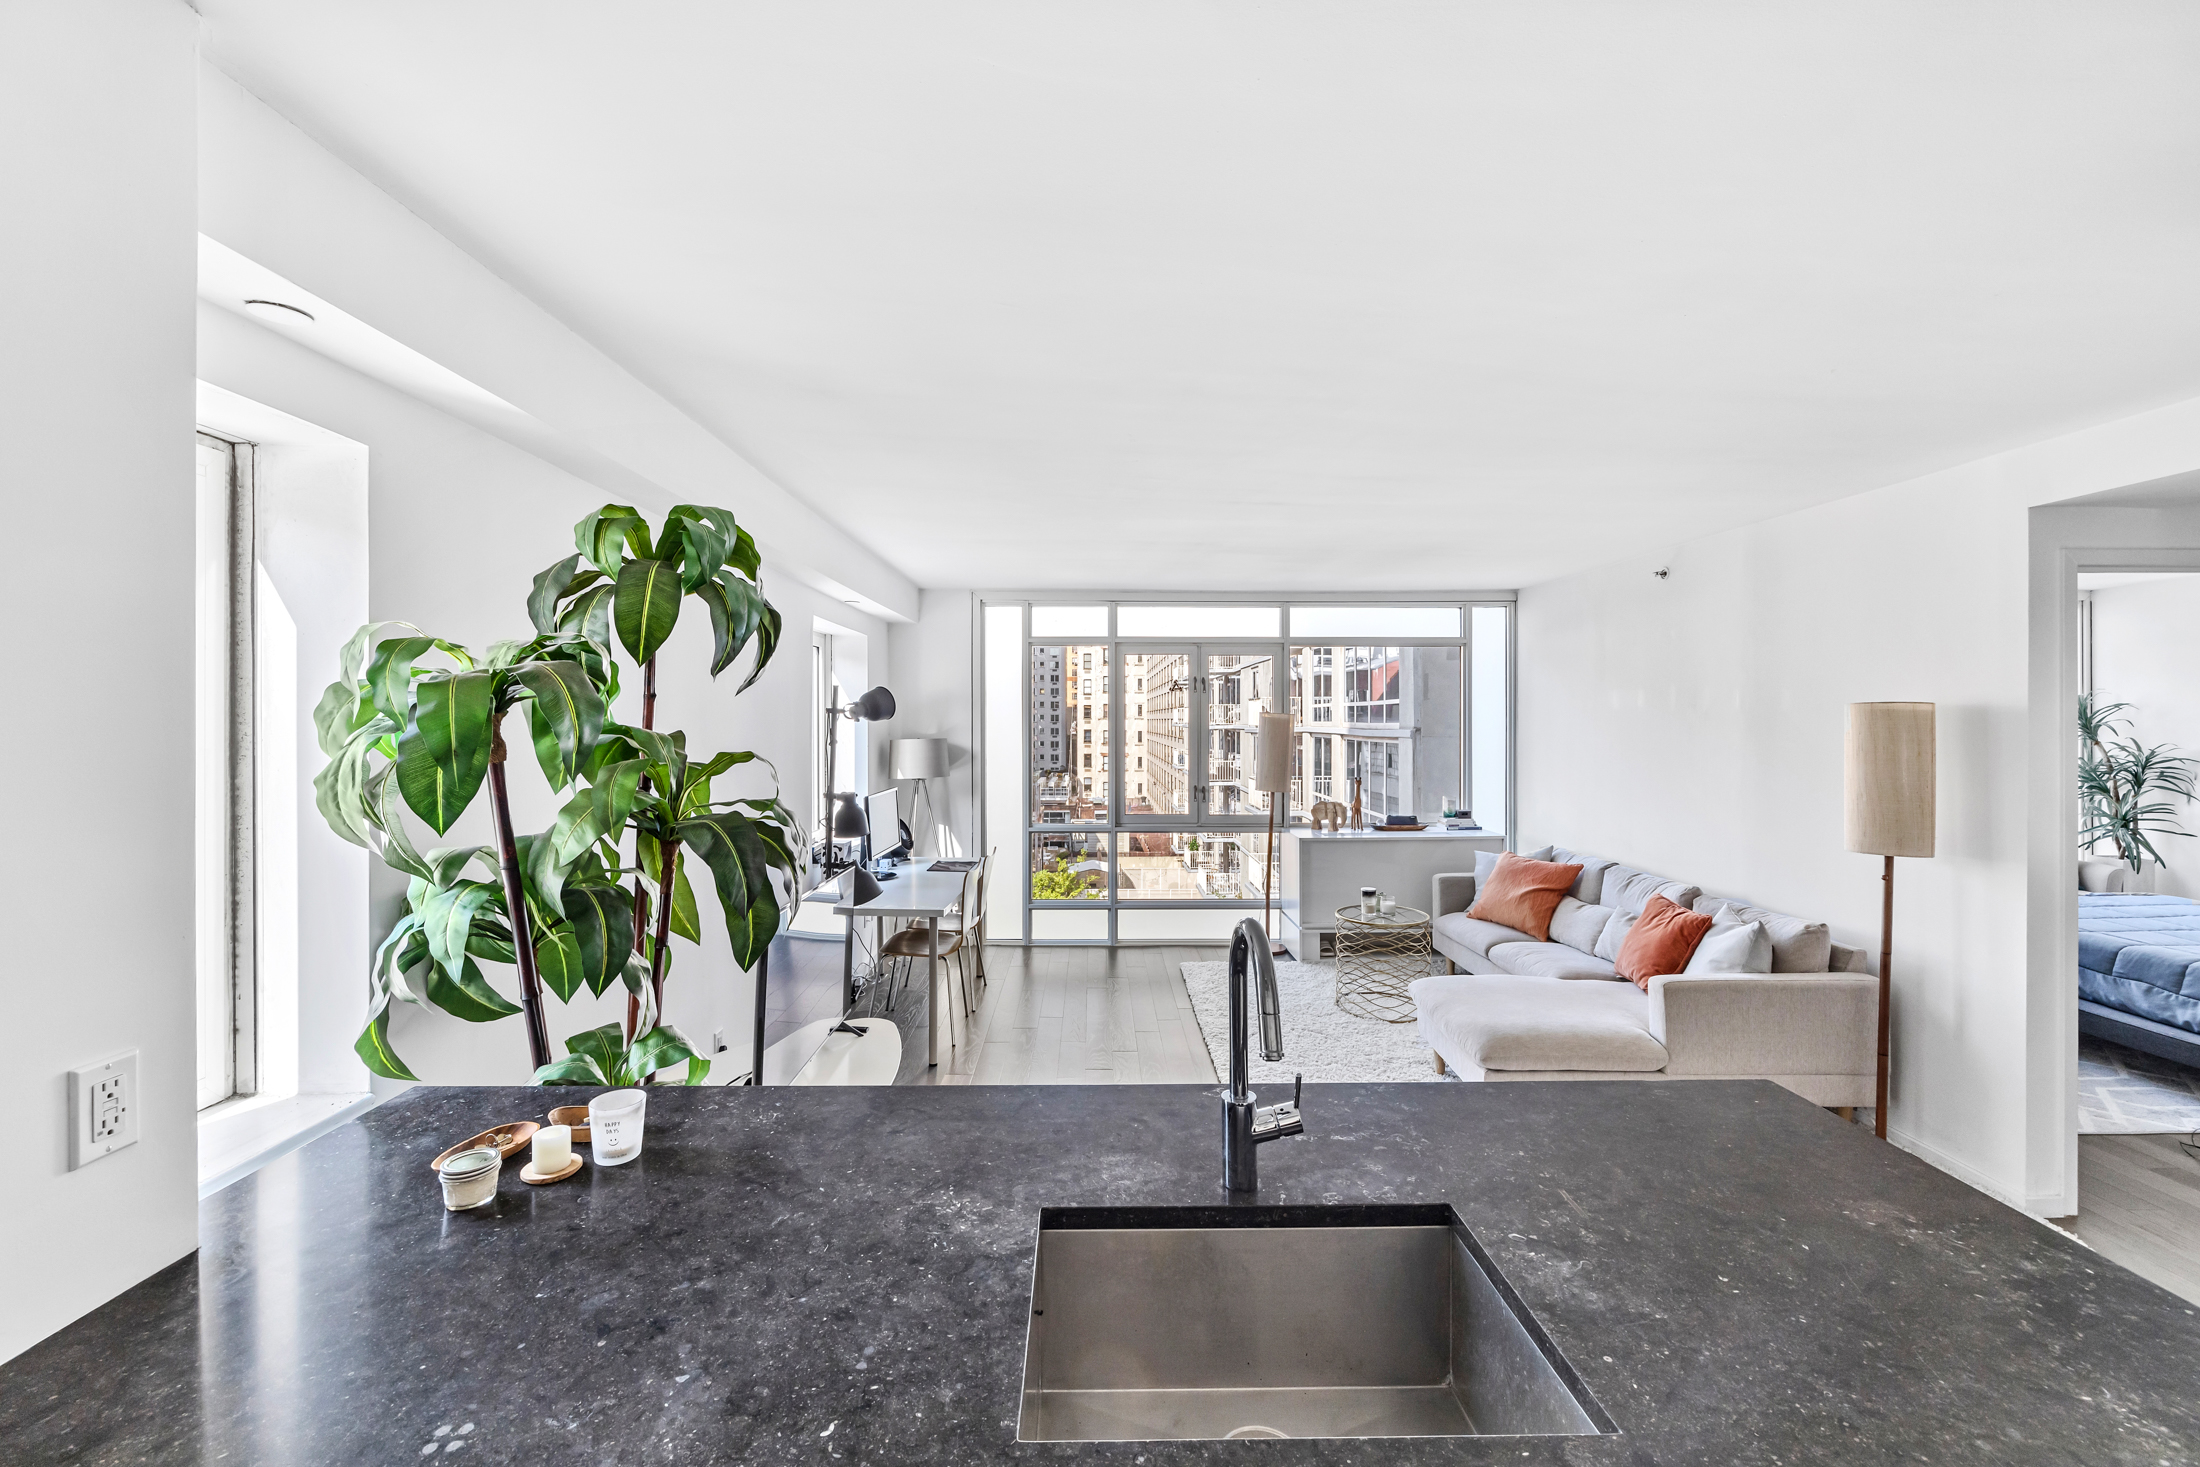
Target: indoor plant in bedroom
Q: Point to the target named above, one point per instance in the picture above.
(557, 911)
(2121, 783)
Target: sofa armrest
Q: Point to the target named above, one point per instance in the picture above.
(1767, 1023)
(1453, 891)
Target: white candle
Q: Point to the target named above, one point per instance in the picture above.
(553, 1149)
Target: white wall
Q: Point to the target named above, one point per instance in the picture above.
(2145, 653)
(1693, 725)
(95, 388)
(930, 663)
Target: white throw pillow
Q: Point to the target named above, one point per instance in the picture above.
(1735, 947)
(1578, 924)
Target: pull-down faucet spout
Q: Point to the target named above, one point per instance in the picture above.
(1244, 1125)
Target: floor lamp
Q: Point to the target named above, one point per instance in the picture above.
(1889, 779)
(1272, 777)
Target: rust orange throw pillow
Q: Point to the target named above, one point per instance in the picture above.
(1522, 894)
(1662, 940)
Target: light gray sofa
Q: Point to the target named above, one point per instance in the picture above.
(1555, 1010)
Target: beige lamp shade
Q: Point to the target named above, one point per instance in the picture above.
(1890, 778)
(1272, 761)
(919, 758)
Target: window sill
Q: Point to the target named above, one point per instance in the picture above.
(239, 1136)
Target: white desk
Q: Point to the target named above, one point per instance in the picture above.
(922, 895)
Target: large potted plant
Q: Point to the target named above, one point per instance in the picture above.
(416, 723)
(2121, 783)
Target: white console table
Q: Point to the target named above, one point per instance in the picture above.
(1324, 870)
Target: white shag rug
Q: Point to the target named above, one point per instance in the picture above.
(2122, 1092)
(1320, 1040)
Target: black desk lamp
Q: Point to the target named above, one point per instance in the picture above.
(848, 822)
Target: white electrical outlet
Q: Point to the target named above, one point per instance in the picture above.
(103, 1109)
(717, 1041)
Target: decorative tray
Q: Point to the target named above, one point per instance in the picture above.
(507, 1139)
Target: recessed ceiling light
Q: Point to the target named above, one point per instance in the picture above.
(278, 311)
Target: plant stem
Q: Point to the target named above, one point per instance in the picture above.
(641, 889)
(660, 957)
(515, 903)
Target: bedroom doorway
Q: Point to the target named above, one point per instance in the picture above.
(2138, 921)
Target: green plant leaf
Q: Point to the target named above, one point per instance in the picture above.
(558, 960)
(601, 919)
(646, 607)
(740, 865)
(467, 996)
(566, 716)
(744, 556)
(385, 807)
(767, 642)
(605, 536)
(574, 1069)
(447, 915)
(605, 1047)
(703, 544)
(389, 675)
(340, 789)
(373, 1044)
(687, 921)
(662, 1048)
(444, 753)
(564, 579)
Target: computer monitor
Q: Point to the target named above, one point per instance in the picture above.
(883, 810)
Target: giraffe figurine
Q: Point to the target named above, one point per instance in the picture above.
(1359, 821)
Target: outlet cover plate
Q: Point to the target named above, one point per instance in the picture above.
(103, 1109)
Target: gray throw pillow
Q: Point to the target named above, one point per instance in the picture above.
(1616, 928)
(1578, 925)
(1734, 947)
(1486, 861)
(1797, 946)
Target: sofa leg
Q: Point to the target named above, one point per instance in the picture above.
(1439, 1062)
(1450, 967)
(1845, 1112)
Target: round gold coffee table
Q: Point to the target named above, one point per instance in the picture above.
(1377, 956)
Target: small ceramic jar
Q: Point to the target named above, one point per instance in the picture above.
(470, 1178)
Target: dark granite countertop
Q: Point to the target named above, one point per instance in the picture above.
(826, 1276)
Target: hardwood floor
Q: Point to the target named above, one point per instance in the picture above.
(1046, 1016)
(2139, 1205)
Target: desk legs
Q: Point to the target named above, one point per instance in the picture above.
(848, 968)
(932, 982)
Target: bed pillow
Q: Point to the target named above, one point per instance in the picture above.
(1578, 925)
(1663, 939)
(1733, 947)
(1522, 894)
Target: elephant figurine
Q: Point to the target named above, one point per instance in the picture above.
(1328, 812)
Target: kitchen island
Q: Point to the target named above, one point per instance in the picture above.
(844, 1275)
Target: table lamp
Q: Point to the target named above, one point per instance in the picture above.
(1272, 777)
(922, 760)
(1889, 781)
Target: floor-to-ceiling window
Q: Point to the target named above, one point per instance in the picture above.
(226, 891)
(1139, 732)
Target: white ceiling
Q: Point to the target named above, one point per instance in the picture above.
(1253, 293)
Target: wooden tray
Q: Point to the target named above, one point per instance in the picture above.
(1388, 828)
(508, 1140)
(575, 1116)
(528, 1175)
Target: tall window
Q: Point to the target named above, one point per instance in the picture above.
(226, 892)
(1172, 847)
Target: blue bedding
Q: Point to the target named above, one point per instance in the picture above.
(2141, 954)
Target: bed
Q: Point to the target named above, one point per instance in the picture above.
(2139, 972)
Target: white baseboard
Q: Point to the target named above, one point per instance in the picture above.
(1961, 1171)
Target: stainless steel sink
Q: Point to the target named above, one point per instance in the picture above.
(1173, 1323)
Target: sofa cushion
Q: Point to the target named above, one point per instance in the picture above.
(1547, 960)
(1589, 885)
(1476, 936)
(1579, 925)
(1629, 890)
(1485, 862)
(1616, 928)
(1523, 893)
(1507, 1023)
(1797, 946)
(1733, 947)
(1663, 940)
